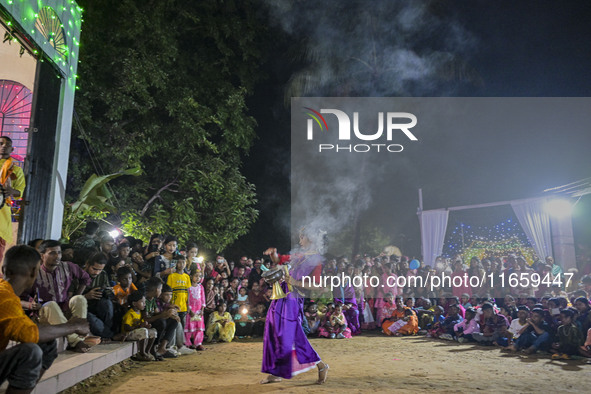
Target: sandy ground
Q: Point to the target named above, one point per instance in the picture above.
(367, 363)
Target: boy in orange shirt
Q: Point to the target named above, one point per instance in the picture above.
(124, 286)
(23, 365)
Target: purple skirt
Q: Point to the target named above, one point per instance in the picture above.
(286, 349)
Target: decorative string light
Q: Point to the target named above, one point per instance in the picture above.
(48, 29)
(54, 28)
(495, 241)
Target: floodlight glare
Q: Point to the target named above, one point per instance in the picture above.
(559, 208)
(114, 233)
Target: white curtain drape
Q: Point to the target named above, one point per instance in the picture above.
(536, 225)
(433, 226)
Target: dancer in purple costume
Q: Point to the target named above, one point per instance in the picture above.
(286, 349)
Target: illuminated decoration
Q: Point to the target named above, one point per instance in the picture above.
(505, 238)
(27, 22)
(49, 29)
(15, 116)
(50, 25)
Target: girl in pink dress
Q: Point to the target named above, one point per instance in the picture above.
(336, 324)
(195, 324)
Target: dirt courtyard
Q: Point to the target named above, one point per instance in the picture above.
(362, 364)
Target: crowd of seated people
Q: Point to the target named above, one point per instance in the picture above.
(553, 316)
(171, 302)
(158, 294)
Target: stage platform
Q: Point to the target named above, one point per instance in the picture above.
(71, 368)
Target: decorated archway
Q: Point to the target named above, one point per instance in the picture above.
(15, 116)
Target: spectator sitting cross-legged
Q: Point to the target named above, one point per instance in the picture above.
(99, 297)
(518, 325)
(464, 329)
(451, 320)
(537, 335)
(395, 315)
(51, 289)
(493, 326)
(220, 325)
(569, 336)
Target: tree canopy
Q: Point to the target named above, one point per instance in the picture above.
(163, 85)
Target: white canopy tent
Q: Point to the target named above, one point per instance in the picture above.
(548, 235)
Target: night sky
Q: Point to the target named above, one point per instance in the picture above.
(518, 49)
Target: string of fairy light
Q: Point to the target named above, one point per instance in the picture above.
(49, 28)
(488, 241)
(50, 31)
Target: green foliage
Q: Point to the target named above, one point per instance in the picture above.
(220, 199)
(140, 227)
(73, 223)
(163, 86)
(94, 203)
(96, 195)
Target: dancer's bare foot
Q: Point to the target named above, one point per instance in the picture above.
(322, 372)
(271, 379)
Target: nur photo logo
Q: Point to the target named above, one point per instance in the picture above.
(390, 125)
